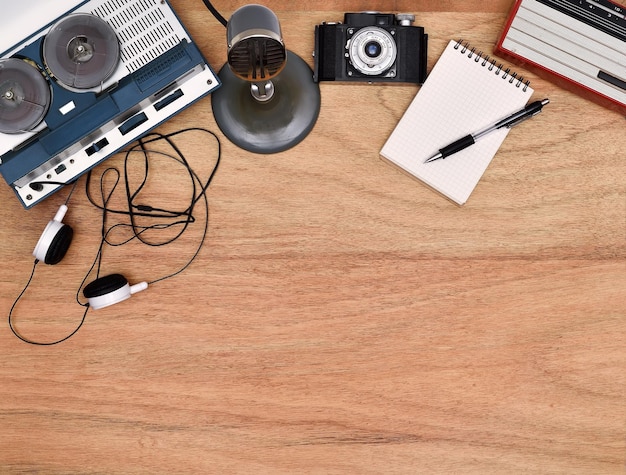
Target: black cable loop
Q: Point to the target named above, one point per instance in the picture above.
(33, 342)
(198, 191)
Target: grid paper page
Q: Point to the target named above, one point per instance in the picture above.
(462, 95)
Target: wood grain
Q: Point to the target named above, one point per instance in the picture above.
(341, 318)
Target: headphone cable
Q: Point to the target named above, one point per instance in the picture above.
(33, 342)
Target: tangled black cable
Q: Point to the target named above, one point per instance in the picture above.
(169, 218)
(182, 218)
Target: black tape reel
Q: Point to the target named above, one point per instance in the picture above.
(24, 96)
(81, 51)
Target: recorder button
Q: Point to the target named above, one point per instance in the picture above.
(133, 123)
(96, 147)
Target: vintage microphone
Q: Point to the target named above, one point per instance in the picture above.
(268, 101)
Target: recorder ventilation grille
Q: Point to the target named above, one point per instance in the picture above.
(142, 29)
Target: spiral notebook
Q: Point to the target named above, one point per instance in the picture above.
(465, 92)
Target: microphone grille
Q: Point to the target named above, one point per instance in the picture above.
(257, 58)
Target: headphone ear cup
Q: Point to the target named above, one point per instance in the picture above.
(59, 245)
(109, 290)
(104, 285)
(55, 239)
(54, 243)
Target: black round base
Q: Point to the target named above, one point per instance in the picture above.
(273, 126)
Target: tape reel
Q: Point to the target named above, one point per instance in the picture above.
(24, 96)
(81, 51)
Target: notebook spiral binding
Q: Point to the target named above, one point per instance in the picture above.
(491, 63)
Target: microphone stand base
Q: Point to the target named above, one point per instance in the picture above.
(275, 125)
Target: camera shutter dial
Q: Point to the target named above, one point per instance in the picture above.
(372, 51)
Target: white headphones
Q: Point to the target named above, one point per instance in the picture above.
(52, 247)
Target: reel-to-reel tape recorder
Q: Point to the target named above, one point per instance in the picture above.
(87, 84)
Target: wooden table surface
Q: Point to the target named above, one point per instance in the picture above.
(341, 317)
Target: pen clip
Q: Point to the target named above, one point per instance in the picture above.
(521, 119)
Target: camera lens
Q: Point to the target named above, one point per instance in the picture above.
(373, 49)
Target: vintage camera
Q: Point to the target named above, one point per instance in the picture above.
(371, 47)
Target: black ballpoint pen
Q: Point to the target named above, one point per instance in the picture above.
(527, 112)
